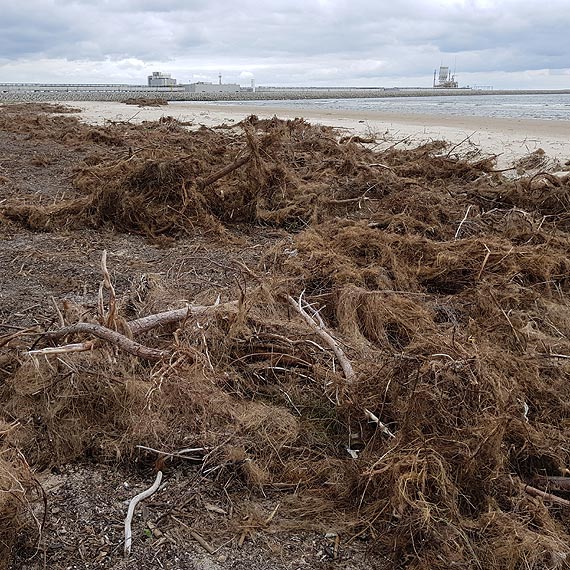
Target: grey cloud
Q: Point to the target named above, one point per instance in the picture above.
(289, 41)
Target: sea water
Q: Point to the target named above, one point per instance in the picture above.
(535, 106)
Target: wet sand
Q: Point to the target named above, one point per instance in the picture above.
(509, 139)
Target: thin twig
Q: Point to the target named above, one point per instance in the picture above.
(59, 314)
(5, 339)
(12, 327)
(379, 165)
(468, 137)
(77, 347)
(487, 255)
(332, 201)
(462, 221)
(504, 169)
(181, 453)
(554, 355)
(272, 515)
(508, 320)
(381, 426)
(224, 171)
(198, 538)
(109, 320)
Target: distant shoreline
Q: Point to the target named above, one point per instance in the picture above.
(36, 92)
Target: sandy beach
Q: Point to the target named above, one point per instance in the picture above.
(509, 139)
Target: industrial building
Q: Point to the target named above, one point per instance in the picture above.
(446, 79)
(208, 87)
(203, 87)
(158, 79)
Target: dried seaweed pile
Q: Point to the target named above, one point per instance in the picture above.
(286, 174)
(146, 101)
(444, 284)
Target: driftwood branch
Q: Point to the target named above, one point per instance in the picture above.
(144, 324)
(320, 330)
(224, 171)
(131, 511)
(534, 492)
(150, 322)
(560, 482)
(106, 332)
(118, 339)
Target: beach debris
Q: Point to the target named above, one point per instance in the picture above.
(131, 511)
(432, 335)
(146, 101)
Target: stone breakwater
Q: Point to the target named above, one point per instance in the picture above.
(10, 93)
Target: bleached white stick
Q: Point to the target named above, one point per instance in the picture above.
(131, 511)
(463, 221)
(320, 330)
(375, 419)
(78, 347)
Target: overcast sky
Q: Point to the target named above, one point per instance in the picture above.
(503, 43)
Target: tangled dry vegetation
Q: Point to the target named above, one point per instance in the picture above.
(146, 101)
(401, 355)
